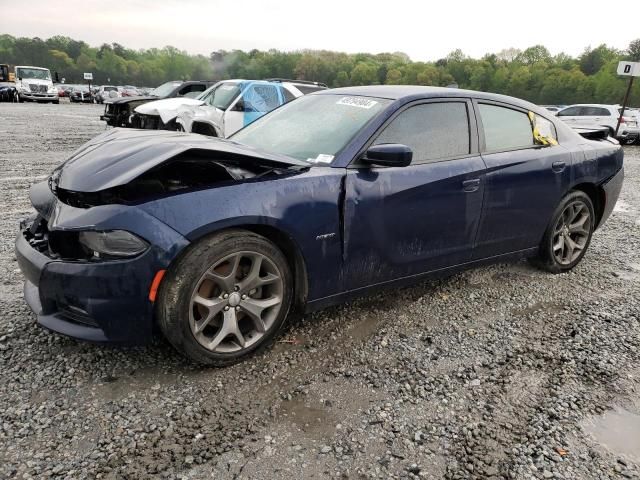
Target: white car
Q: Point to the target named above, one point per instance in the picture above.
(226, 107)
(105, 92)
(597, 116)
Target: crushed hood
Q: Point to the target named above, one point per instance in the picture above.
(120, 155)
(166, 108)
(122, 100)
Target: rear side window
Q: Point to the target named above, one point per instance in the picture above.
(505, 129)
(433, 131)
(596, 112)
(288, 96)
(545, 128)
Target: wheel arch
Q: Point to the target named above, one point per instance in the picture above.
(597, 196)
(281, 239)
(203, 128)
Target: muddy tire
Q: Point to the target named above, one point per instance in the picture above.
(568, 234)
(226, 298)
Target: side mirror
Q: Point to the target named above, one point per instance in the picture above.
(388, 155)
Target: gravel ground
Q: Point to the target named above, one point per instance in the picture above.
(498, 372)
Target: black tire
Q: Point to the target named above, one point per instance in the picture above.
(56, 102)
(547, 259)
(181, 280)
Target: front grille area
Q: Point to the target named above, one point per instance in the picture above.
(37, 88)
(149, 122)
(62, 245)
(37, 234)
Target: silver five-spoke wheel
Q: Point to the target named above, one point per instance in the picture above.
(571, 232)
(236, 302)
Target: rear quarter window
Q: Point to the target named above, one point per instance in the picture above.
(307, 89)
(505, 128)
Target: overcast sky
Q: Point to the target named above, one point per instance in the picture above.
(422, 29)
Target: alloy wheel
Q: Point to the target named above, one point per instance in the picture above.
(236, 302)
(571, 232)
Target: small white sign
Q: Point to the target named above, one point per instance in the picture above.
(631, 69)
(88, 76)
(360, 102)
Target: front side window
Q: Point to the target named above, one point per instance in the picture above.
(313, 128)
(222, 95)
(569, 112)
(433, 131)
(505, 128)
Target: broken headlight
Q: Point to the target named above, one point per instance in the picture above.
(112, 243)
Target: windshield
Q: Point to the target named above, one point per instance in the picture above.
(164, 89)
(312, 128)
(37, 73)
(220, 95)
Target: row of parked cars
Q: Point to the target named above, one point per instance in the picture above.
(98, 94)
(215, 109)
(221, 109)
(603, 117)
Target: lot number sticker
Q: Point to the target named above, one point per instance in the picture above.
(357, 102)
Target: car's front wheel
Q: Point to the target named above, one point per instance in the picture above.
(568, 234)
(226, 298)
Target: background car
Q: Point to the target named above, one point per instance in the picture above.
(226, 107)
(333, 195)
(118, 112)
(80, 94)
(597, 115)
(129, 91)
(106, 92)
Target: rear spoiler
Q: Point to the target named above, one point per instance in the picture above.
(594, 133)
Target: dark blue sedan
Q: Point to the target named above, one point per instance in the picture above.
(339, 193)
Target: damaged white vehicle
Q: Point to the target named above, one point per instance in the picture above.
(224, 108)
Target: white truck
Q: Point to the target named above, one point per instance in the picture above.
(34, 83)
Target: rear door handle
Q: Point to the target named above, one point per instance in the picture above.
(471, 185)
(558, 166)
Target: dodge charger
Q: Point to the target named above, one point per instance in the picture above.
(214, 243)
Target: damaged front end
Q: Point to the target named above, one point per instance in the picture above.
(90, 252)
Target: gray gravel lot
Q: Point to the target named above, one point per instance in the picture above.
(498, 372)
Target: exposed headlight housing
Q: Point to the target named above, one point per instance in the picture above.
(112, 243)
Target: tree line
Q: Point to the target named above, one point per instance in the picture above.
(533, 74)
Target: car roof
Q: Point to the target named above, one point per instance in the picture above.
(411, 92)
(592, 105)
(29, 66)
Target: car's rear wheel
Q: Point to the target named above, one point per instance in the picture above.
(568, 235)
(226, 298)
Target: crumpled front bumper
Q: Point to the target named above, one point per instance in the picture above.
(97, 302)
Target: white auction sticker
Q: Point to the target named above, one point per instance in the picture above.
(359, 102)
(322, 158)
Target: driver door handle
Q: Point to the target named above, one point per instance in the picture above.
(558, 166)
(471, 185)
